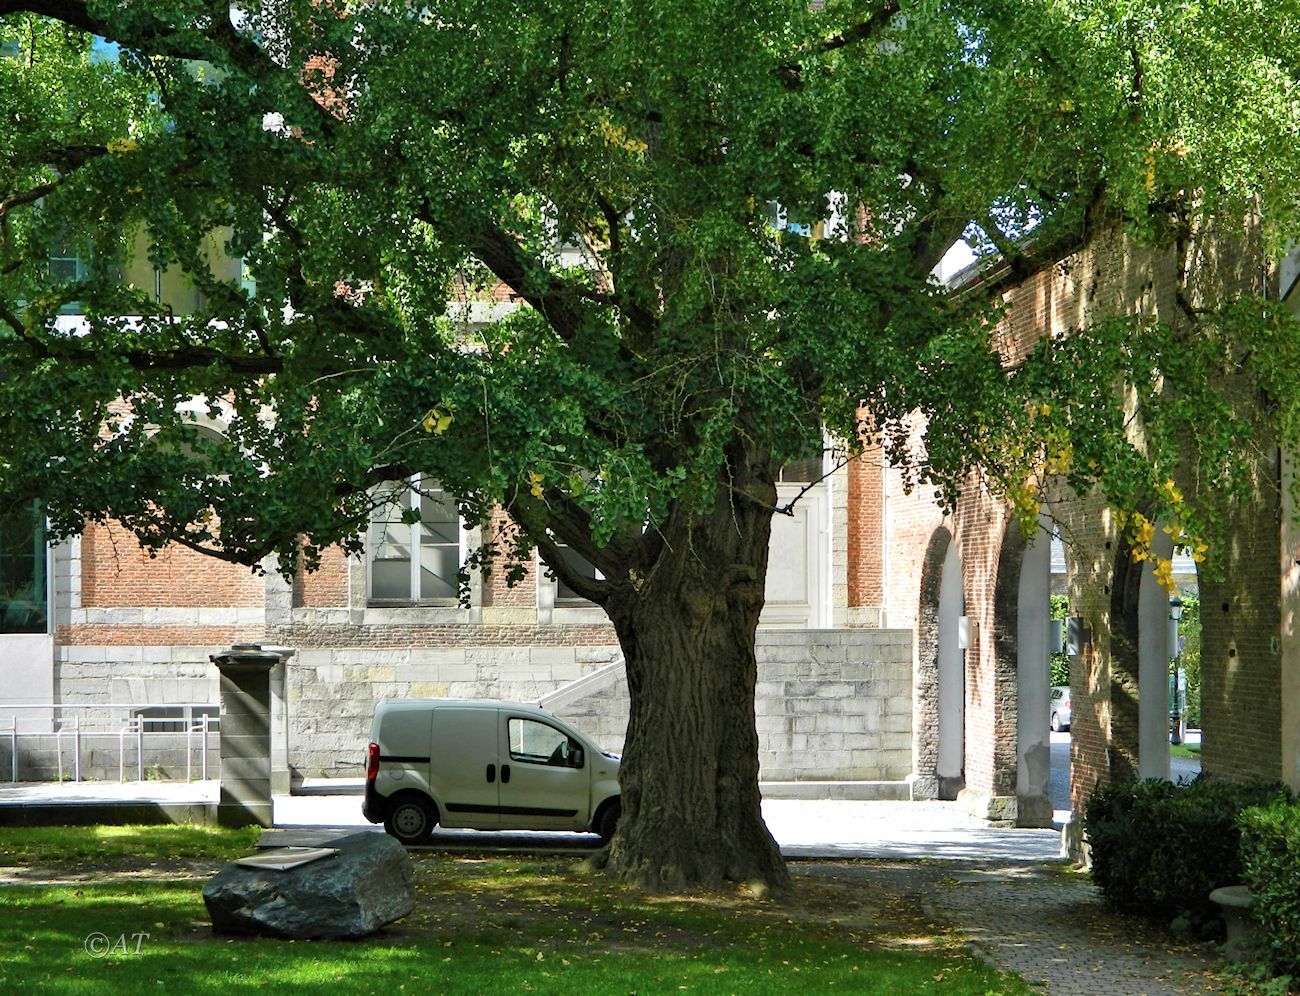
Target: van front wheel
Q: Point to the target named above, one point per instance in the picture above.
(411, 819)
(607, 821)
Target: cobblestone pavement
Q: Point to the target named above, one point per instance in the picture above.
(1048, 926)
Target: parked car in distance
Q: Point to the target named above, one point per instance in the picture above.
(484, 766)
(1060, 708)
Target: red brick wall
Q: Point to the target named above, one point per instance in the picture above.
(117, 571)
(990, 663)
(95, 635)
(1107, 279)
(865, 538)
(313, 636)
(496, 592)
(326, 587)
(912, 521)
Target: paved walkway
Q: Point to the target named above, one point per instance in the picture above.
(832, 830)
(1043, 923)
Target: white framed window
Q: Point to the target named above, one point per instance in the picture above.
(578, 564)
(68, 262)
(24, 574)
(802, 471)
(414, 561)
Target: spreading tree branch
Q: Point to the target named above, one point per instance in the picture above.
(553, 298)
(155, 36)
(17, 200)
(791, 73)
(1020, 260)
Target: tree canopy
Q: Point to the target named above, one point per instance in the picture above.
(716, 222)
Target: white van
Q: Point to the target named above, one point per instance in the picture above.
(485, 766)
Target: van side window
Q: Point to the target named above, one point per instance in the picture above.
(539, 743)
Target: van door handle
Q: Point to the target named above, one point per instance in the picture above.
(492, 772)
(505, 773)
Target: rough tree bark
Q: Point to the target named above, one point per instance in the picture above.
(690, 802)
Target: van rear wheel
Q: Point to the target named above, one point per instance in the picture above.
(411, 819)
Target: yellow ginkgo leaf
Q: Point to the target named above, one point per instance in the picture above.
(436, 421)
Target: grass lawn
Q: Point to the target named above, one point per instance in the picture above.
(1185, 750)
(53, 845)
(543, 925)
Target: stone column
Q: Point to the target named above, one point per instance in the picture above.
(245, 734)
(1154, 650)
(1287, 644)
(1033, 682)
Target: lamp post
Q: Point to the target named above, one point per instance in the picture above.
(1175, 706)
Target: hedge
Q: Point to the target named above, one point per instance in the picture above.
(1160, 849)
(1270, 850)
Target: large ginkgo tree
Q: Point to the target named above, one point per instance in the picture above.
(715, 224)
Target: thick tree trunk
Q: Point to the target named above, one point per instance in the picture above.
(690, 765)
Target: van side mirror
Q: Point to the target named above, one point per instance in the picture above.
(575, 755)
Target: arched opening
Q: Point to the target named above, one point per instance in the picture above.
(951, 678)
(1060, 710)
(1185, 671)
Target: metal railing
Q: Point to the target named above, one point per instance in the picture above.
(134, 729)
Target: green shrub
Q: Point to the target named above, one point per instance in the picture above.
(1059, 664)
(1159, 849)
(1270, 852)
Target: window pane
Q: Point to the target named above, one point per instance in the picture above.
(414, 561)
(390, 541)
(802, 471)
(532, 741)
(390, 554)
(439, 519)
(64, 270)
(391, 579)
(23, 592)
(579, 565)
(439, 545)
(438, 566)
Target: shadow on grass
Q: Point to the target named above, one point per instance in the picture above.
(491, 926)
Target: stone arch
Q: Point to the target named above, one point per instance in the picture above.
(1022, 612)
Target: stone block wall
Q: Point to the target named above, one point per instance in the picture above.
(136, 675)
(332, 692)
(832, 705)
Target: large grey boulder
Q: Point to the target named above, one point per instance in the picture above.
(366, 885)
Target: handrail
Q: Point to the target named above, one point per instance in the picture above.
(96, 721)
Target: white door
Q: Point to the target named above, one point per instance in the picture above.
(464, 767)
(542, 786)
(797, 561)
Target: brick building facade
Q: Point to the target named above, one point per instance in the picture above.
(833, 700)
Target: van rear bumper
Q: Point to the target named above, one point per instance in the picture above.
(372, 807)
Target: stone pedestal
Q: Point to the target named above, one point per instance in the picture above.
(245, 734)
(281, 782)
(1245, 939)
